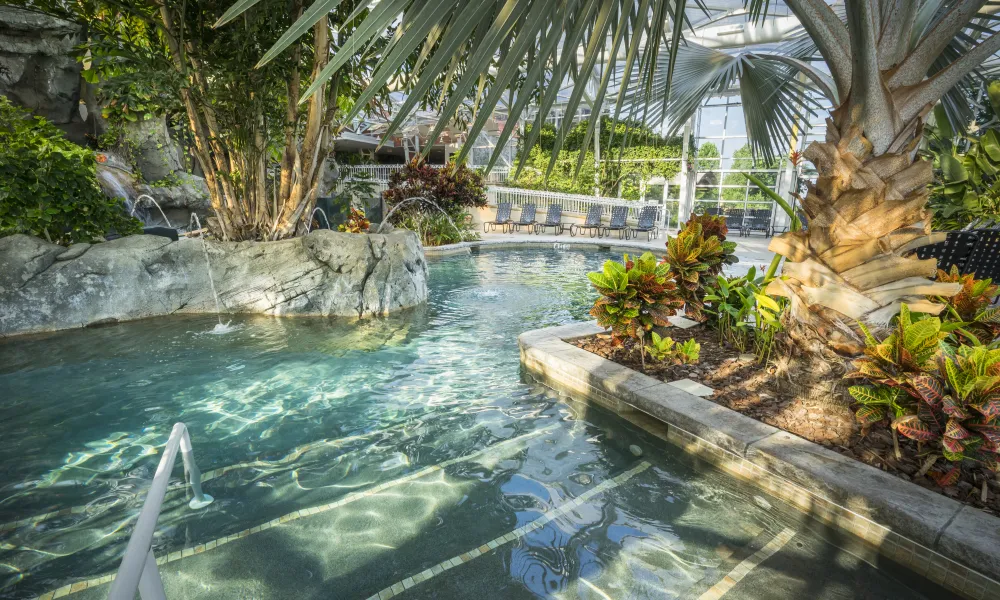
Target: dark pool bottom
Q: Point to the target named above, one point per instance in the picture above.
(402, 457)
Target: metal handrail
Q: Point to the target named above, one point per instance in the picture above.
(138, 568)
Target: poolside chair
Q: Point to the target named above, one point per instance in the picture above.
(757, 219)
(527, 219)
(502, 219)
(646, 224)
(734, 219)
(618, 216)
(592, 223)
(954, 250)
(553, 218)
(984, 259)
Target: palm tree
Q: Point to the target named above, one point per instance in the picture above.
(889, 63)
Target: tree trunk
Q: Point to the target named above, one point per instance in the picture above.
(866, 214)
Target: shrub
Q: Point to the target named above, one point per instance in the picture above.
(971, 306)
(743, 313)
(665, 349)
(48, 185)
(933, 392)
(695, 257)
(356, 223)
(636, 295)
(454, 189)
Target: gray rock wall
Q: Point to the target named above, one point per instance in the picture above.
(37, 67)
(45, 287)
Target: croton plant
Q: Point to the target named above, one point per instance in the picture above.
(696, 256)
(636, 295)
(934, 391)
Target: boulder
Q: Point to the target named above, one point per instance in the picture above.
(37, 68)
(155, 154)
(325, 273)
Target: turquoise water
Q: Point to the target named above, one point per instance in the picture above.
(296, 413)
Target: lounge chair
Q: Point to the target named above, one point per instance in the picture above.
(646, 224)
(592, 223)
(734, 219)
(757, 219)
(553, 218)
(954, 250)
(984, 259)
(618, 216)
(527, 218)
(502, 219)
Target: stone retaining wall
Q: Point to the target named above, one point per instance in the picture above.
(46, 287)
(952, 544)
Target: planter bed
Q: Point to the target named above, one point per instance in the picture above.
(763, 393)
(952, 544)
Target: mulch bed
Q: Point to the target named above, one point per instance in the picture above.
(768, 394)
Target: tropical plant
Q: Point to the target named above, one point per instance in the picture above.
(356, 223)
(665, 349)
(972, 306)
(48, 185)
(695, 257)
(743, 314)
(452, 188)
(636, 295)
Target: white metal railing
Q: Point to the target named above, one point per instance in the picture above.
(573, 203)
(138, 570)
(381, 173)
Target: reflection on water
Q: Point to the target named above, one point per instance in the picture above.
(288, 414)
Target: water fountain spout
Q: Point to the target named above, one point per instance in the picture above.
(208, 267)
(155, 203)
(419, 199)
(309, 220)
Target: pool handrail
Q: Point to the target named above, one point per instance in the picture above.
(138, 569)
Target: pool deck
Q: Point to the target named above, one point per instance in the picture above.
(751, 251)
(951, 544)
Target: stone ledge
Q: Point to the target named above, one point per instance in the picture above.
(952, 544)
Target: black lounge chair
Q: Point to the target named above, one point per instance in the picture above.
(646, 224)
(619, 214)
(592, 223)
(757, 219)
(734, 218)
(553, 218)
(984, 259)
(502, 219)
(527, 218)
(954, 250)
(713, 210)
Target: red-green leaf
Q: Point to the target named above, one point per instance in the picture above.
(929, 388)
(867, 415)
(953, 409)
(954, 430)
(915, 429)
(952, 445)
(948, 477)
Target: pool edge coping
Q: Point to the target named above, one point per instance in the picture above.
(926, 532)
(513, 243)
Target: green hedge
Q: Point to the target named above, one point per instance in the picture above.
(48, 185)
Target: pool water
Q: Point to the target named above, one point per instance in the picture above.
(406, 455)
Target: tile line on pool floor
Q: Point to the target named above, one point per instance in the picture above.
(305, 512)
(510, 536)
(209, 475)
(749, 564)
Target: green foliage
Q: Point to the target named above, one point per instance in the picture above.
(356, 223)
(966, 185)
(695, 257)
(636, 295)
(639, 161)
(933, 392)
(454, 189)
(666, 350)
(743, 314)
(971, 308)
(48, 185)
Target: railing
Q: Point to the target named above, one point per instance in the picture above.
(138, 571)
(574, 203)
(381, 173)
